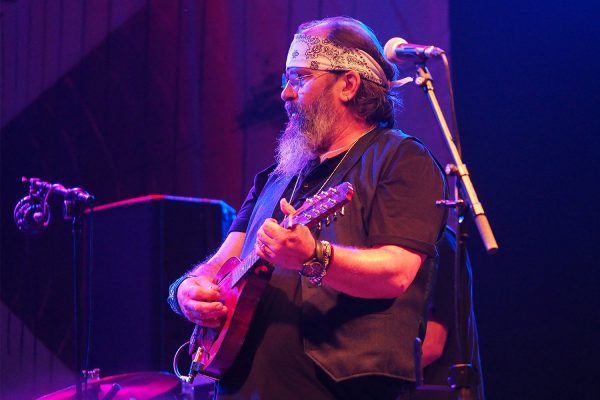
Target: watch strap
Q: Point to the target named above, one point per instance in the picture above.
(316, 268)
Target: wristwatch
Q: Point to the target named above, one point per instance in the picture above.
(315, 269)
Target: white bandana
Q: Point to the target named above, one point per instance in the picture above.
(322, 54)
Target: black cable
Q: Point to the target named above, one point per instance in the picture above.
(216, 389)
(456, 137)
(76, 229)
(90, 269)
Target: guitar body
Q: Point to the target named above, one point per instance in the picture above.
(221, 346)
(241, 285)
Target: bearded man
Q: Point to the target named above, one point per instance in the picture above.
(340, 314)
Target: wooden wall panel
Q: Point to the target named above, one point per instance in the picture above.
(130, 97)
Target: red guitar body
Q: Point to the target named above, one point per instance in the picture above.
(222, 345)
(241, 284)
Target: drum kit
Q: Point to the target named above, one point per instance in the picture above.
(138, 386)
(134, 386)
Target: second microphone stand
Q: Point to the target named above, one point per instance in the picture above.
(462, 378)
(32, 216)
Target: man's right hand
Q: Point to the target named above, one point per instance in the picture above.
(198, 298)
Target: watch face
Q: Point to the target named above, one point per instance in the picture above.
(311, 269)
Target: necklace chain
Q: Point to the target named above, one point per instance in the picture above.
(336, 167)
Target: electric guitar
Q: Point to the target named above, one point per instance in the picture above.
(241, 284)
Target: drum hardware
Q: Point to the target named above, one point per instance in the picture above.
(136, 385)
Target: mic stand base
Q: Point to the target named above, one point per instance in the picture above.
(463, 378)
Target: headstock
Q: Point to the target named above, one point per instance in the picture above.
(321, 206)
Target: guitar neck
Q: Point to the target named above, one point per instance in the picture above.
(317, 208)
(244, 266)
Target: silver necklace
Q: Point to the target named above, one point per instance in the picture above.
(335, 169)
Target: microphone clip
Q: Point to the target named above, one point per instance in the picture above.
(32, 213)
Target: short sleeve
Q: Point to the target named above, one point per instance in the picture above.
(404, 211)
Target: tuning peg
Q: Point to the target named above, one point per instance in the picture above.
(327, 221)
(319, 226)
(343, 211)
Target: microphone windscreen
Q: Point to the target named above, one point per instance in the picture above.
(390, 48)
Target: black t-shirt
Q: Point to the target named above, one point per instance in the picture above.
(396, 216)
(272, 363)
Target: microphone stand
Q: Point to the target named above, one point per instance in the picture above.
(463, 378)
(74, 210)
(32, 216)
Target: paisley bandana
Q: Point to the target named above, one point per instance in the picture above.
(322, 54)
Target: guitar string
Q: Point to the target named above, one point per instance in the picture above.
(250, 260)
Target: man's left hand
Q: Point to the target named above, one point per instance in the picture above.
(286, 248)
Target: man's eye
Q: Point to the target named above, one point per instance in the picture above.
(298, 77)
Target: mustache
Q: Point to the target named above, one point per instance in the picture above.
(292, 108)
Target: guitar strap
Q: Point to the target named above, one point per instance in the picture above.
(275, 186)
(356, 153)
(263, 209)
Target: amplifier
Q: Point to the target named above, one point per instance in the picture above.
(139, 247)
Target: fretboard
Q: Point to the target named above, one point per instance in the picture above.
(244, 266)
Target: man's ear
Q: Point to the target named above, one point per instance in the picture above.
(351, 80)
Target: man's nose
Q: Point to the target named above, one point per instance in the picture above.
(288, 92)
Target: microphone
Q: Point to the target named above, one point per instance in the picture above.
(398, 51)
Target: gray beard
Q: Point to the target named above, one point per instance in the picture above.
(308, 133)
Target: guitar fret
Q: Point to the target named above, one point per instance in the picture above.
(243, 267)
